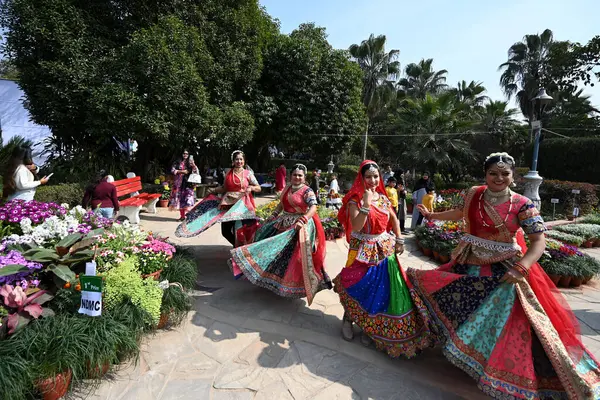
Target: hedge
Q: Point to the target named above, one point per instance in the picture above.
(563, 190)
(71, 193)
(573, 159)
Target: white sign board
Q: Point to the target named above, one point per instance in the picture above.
(576, 191)
(91, 295)
(554, 201)
(576, 212)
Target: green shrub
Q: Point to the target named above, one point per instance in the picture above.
(71, 193)
(176, 303)
(586, 231)
(347, 173)
(569, 159)
(182, 269)
(591, 219)
(562, 190)
(565, 237)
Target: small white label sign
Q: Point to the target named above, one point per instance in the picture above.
(554, 201)
(91, 304)
(576, 191)
(576, 212)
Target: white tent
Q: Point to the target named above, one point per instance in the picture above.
(15, 119)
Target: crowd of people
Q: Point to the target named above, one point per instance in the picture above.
(492, 309)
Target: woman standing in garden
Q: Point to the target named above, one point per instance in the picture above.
(234, 210)
(182, 194)
(19, 179)
(334, 200)
(101, 196)
(288, 253)
(280, 176)
(372, 287)
(503, 321)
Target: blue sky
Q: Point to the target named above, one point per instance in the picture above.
(468, 38)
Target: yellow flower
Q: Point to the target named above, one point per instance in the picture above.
(157, 181)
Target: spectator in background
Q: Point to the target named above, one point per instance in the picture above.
(20, 181)
(101, 196)
(280, 176)
(315, 184)
(387, 173)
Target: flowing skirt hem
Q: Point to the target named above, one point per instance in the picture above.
(397, 335)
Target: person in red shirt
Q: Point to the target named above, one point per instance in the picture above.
(101, 196)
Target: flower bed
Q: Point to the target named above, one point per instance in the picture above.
(564, 263)
(590, 233)
(45, 343)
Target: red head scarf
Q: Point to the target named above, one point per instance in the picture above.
(356, 194)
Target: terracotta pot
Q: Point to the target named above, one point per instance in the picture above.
(55, 387)
(427, 252)
(154, 275)
(565, 281)
(436, 256)
(588, 244)
(576, 282)
(444, 259)
(554, 278)
(409, 208)
(570, 217)
(97, 372)
(597, 242)
(162, 322)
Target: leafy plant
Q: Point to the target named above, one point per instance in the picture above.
(124, 281)
(565, 237)
(132, 316)
(586, 231)
(181, 269)
(591, 219)
(24, 307)
(63, 193)
(176, 303)
(16, 373)
(68, 253)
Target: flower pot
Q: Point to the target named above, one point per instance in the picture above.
(162, 322)
(163, 203)
(154, 275)
(588, 244)
(409, 208)
(576, 282)
(97, 372)
(55, 387)
(444, 259)
(436, 256)
(565, 281)
(554, 278)
(570, 217)
(427, 252)
(597, 242)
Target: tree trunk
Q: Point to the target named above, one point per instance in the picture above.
(366, 140)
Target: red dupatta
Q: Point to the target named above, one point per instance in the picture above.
(553, 302)
(355, 194)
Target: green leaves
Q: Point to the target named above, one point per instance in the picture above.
(12, 269)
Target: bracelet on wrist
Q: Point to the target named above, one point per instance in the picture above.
(521, 268)
(364, 210)
(400, 240)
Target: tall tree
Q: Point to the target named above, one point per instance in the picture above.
(378, 67)
(310, 95)
(67, 52)
(421, 79)
(499, 121)
(527, 69)
(470, 95)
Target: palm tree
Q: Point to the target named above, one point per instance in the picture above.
(379, 67)
(422, 79)
(470, 95)
(500, 122)
(525, 69)
(435, 122)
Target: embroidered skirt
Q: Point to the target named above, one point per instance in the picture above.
(378, 299)
(282, 261)
(500, 335)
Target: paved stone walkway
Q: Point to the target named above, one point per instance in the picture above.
(243, 342)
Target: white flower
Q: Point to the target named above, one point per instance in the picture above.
(65, 206)
(26, 225)
(164, 285)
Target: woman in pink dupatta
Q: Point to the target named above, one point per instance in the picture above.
(280, 175)
(235, 210)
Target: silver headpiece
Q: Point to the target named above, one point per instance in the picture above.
(300, 167)
(235, 153)
(501, 159)
(373, 168)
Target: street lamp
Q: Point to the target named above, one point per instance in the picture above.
(533, 180)
(330, 166)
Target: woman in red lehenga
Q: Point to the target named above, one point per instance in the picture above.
(235, 211)
(372, 287)
(288, 253)
(503, 320)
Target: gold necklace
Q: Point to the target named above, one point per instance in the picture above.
(494, 197)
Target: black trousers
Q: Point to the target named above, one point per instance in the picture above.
(420, 219)
(228, 229)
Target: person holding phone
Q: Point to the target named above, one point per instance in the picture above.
(19, 179)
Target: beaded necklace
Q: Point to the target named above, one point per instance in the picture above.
(505, 218)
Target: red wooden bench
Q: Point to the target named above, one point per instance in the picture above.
(131, 206)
